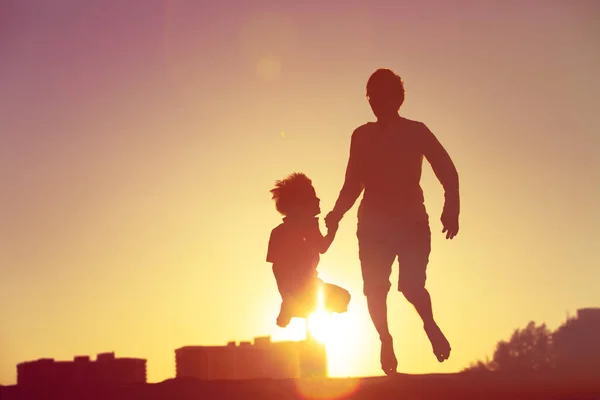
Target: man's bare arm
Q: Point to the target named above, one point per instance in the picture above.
(353, 184)
(446, 172)
(442, 166)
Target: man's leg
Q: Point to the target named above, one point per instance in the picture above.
(413, 257)
(377, 254)
(420, 299)
(377, 304)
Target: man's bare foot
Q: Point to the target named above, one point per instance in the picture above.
(389, 364)
(439, 343)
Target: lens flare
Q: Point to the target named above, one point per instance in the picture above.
(318, 322)
(327, 388)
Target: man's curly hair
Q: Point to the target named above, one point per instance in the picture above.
(385, 82)
(290, 191)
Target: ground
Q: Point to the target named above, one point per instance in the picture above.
(487, 386)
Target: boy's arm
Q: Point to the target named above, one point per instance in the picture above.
(446, 172)
(328, 239)
(352, 188)
(322, 242)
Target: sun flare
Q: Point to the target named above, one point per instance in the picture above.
(339, 335)
(338, 332)
(319, 322)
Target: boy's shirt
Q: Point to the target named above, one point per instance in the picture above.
(293, 250)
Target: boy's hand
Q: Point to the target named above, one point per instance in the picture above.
(332, 220)
(450, 222)
(332, 228)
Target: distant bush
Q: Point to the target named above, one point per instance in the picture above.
(574, 348)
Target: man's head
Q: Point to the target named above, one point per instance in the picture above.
(385, 91)
(295, 196)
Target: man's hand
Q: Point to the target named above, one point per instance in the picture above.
(332, 221)
(450, 222)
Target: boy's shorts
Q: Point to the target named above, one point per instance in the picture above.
(381, 240)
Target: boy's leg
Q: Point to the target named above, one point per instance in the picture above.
(335, 298)
(377, 254)
(296, 302)
(413, 257)
(284, 317)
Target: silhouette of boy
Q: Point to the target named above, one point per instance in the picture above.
(294, 249)
(385, 161)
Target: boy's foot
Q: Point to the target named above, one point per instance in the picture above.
(283, 320)
(441, 346)
(284, 317)
(389, 364)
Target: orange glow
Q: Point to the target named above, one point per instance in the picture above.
(138, 146)
(330, 389)
(318, 323)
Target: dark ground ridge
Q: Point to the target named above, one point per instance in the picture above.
(476, 385)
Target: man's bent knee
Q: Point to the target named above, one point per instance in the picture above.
(413, 291)
(375, 291)
(375, 297)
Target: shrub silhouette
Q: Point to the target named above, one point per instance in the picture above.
(528, 349)
(572, 349)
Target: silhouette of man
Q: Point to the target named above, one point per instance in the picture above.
(386, 161)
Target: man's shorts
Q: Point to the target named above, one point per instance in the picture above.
(381, 240)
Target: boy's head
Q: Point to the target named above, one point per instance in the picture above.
(385, 91)
(295, 196)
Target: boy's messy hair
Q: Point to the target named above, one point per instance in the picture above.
(289, 191)
(385, 82)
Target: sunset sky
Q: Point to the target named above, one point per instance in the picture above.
(139, 140)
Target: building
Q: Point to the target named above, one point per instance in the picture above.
(261, 359)
(590, 315)
(106, 369)
(577, 345)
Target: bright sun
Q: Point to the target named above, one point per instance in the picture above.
(319, 323)
(340, 335)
